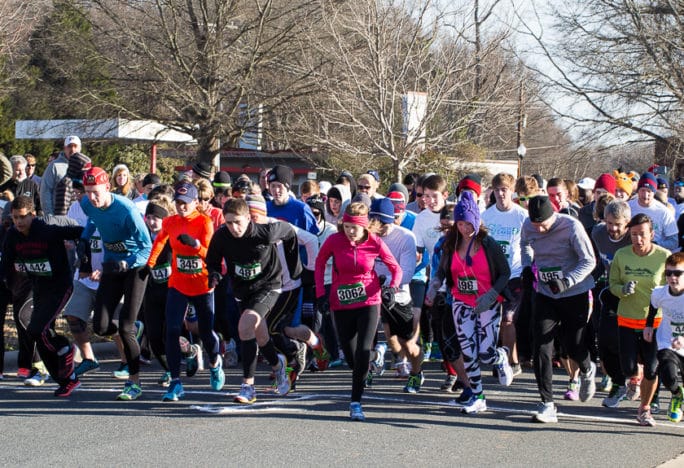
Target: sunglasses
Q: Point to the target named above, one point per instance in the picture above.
(419, 195)
(364, 187)
(205, 199)
(675, 273)
(524, 199)
(31, 165)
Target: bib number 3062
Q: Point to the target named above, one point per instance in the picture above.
(351, 293)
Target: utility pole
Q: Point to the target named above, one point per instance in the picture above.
(522, 124)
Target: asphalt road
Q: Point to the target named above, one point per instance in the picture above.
(310, 427)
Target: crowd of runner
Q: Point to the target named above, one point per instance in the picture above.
(510, 273)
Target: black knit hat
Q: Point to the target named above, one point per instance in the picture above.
(316, 202)
(282, 174)
(202, 169)
(540, 208)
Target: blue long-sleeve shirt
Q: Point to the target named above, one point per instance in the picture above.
(122, 229)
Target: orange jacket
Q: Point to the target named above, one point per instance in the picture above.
(188, 268)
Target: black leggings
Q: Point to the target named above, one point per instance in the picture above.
(356, 330)
(670, 369)
(569, 316)
(131, 286)
(155, 321)
(48, 303)
(609, 348)
(22, 294)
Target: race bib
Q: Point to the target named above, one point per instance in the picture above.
(351, 293)
(248, 272)
(505, 247)
(467, 285)
(96, 244)
(161, 273)
(39, 267)
(677, 329)
(188, 265)
(116, 247)
(547, 274)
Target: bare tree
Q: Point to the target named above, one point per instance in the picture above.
(17, 20)
(381, 54)
(200, 65)
(621, 63)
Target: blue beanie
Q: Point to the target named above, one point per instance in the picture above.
(382, 209)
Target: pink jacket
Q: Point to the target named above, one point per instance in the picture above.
(354, 281)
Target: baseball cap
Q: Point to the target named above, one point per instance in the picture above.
(72, 140)
(185, 192)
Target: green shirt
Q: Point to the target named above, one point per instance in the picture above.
(648, 271)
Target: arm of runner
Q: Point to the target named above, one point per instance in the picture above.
(324, 254)
(310, 243)
(388, 259)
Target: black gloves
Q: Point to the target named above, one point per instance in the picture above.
(387, 295)
(558, 286)
(527, 279)
(214, 279)
(114, 267)
(188, 240)
(323, 304)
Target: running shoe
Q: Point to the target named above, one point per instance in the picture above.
(546, 413)
(616, 395)
(37, 378)
(572, 393)
(292, 376)
(131, 391)
(282, 382)
(356, 412)
(414, 383)
(230, 358)
(336, 363)
(448, 383)
(369, 379)
(139, 329)
(300, 357)
(192, 361)
(86, 366)
(427, 352)
(217, 378)
(175, 391)
(465, 396)
(645, 418)
(588, 383)
(517, 369)
(321, 355)
(435, 353)
(403, 370)
(655, 404)
(122, 372)
(503, 368)
(23, 373)
(66, 389)
(675, 411)
(377, 365)
(606, 384)
(457, 386)
(165, 379)
(634, 389)
(476, 404)
(247, 395)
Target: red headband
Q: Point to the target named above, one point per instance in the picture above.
(360, 220)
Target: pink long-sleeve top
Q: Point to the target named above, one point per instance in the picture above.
(354, 281)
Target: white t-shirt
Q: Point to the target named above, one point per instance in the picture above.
(427, 230)
(672, 324)
(505, 227)
(664, 224)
